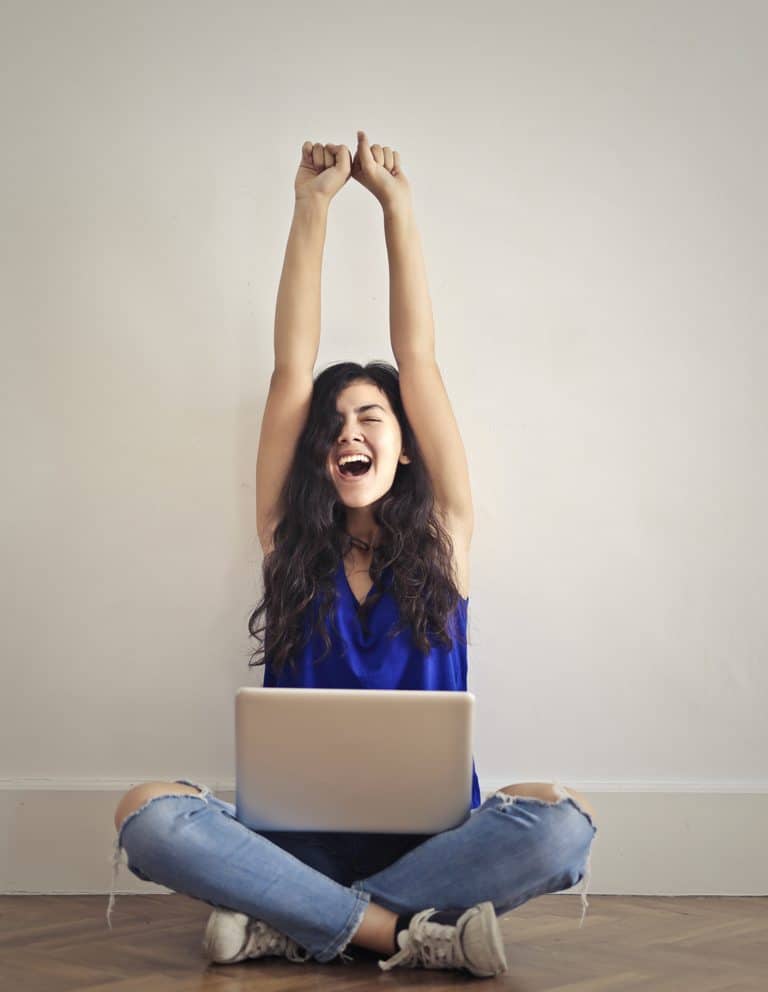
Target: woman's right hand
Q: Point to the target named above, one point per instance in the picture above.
(323, 171)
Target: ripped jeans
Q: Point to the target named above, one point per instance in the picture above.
(315, 886)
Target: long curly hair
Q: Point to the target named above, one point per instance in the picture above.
(310, 538)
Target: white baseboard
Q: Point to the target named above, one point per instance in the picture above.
(662, 841)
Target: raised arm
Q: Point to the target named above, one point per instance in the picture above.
(411, 324)
(423, 392)
(322, 172)
(297, 312)
(412, 334)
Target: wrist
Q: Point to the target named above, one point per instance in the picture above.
(395, 208)
(311, 203)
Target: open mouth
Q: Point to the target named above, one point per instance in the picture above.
(355, 469)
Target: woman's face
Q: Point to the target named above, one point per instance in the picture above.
(375, 431)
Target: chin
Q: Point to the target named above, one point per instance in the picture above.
(365, 500)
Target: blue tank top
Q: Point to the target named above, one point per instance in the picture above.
(360, 659)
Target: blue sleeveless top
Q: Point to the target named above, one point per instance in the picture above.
(372, 660)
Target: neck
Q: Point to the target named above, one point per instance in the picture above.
(363, 528)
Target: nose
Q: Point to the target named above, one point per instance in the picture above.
(348, 432)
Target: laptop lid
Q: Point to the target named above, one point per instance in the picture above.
(362, 760)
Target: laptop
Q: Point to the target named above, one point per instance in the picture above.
(361, 760)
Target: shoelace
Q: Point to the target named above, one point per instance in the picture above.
(264, 939)
(432, 945)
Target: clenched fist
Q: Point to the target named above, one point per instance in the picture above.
(323, 171)
(380, 171)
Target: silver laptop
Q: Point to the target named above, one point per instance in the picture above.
(362, 760)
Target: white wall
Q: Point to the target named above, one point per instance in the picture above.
(589, 181)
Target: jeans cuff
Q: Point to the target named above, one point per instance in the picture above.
(338, 944)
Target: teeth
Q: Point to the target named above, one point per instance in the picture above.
(345, 459)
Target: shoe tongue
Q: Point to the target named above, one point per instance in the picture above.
(448, 917)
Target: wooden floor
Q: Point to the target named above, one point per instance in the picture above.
(688, 944)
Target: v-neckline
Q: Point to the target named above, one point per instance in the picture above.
(462, 599)
(358, 602)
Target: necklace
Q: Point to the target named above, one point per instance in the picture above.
(358, 542)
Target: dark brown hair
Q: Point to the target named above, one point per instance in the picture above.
(310, 538)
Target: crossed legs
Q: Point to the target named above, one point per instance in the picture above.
(377, 927)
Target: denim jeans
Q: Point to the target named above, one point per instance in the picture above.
(314, 886)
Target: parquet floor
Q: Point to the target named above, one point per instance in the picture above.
(684, 944)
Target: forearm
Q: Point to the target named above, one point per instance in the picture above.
(297, 312)
(411, 325)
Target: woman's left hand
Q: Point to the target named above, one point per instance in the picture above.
(379, 170)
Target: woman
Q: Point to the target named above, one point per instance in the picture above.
(364, 514)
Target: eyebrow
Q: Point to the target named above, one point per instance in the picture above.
(368, 406)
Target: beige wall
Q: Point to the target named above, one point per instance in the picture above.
(589, 180)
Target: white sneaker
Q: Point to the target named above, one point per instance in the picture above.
(231, 937)
(473, 943)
